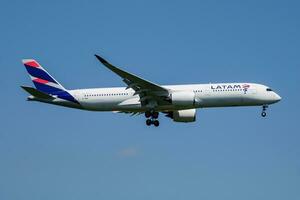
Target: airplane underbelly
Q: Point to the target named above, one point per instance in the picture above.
(112, 105)
(99, 105)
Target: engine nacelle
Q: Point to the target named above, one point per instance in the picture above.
(188, 115)
(183, 98)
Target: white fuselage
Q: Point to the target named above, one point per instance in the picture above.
(206, 95)
(178, 102)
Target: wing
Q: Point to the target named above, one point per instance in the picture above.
(150, 93)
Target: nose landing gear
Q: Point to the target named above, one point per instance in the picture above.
(152, 117)
(264, 109)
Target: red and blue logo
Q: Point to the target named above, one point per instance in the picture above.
(44, 82)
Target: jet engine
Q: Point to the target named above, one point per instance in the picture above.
(188, 115)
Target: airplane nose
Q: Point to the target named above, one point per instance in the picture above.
(277, 97)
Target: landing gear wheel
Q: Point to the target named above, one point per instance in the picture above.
(148, 122)
(263, 114)
(156, 123)
(152, 117)
(155, 115)
(264, 109)
(147, 114)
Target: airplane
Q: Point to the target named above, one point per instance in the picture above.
(178, 102)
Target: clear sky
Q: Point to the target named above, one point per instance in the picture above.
(49, 152)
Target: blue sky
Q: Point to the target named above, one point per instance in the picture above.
(49, 152)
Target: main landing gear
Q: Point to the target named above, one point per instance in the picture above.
(264, 109)
(152, 118)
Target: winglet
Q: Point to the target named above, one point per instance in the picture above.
(101, 59)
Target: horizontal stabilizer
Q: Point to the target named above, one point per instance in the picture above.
(36, 93)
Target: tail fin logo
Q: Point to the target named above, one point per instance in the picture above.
(44, 82)
(31, 63)
(38, 73)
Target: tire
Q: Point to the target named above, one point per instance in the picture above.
(156, 123)
(155, 115)
(148, 122)
(147, 114)
(263, 114)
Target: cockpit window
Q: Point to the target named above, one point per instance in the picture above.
(269, 89)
